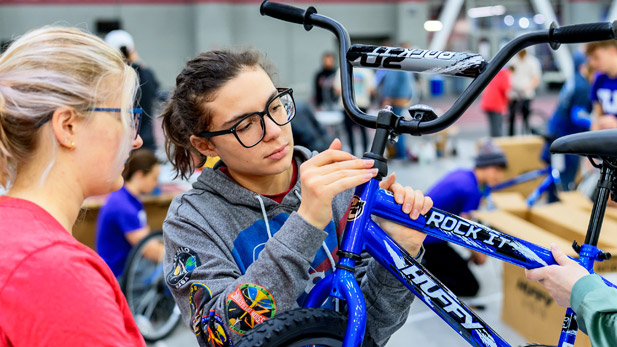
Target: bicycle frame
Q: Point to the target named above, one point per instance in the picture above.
(552, 180)
(362, 233)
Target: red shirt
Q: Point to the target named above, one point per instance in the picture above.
(495, 96)
(53, 289)
(276, 197)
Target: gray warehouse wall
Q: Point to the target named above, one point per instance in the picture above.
(167, 35)
(163, 33)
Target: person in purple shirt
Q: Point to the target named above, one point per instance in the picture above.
(122, 220)
(459, 192)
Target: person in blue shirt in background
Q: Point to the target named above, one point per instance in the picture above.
(396, 91)
(603, 58)
(460, 192)
(122, 221)
(571, 115)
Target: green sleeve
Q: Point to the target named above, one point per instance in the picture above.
(595, 305)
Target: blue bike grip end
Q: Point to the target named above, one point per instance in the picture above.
(579, 33)
(282, 11)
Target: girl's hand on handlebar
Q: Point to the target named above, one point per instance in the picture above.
(413, 203)
(324, 176)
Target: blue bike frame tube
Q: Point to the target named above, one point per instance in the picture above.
(472, 235)
(568, 329)
(361, 233)
(527, 176)
(359, 214)
(544, 186)
(342, 282)
(429, 289)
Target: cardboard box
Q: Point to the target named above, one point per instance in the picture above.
(527, 306)
(511, 202)
(513, 225)
(531, 311)
(523, 153)
(525, 230)
(84, 229)
(570, 223)
(580, 200)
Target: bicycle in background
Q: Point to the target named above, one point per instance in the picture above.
(147, 294)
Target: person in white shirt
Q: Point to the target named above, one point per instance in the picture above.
(364, 86)
(525, 79)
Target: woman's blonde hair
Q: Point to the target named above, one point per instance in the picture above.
(50, 68)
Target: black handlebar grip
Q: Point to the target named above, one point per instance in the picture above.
(580, 33)
(282, 11)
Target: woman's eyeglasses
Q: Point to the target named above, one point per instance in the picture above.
(136, 116)
(251, 129)
(136, 124)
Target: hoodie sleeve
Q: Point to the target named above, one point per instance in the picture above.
(595, 305)
(219, 302)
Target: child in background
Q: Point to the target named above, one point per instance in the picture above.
(122, 221)
(603, 58)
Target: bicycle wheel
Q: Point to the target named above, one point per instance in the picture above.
(149, 298)
(301, 327)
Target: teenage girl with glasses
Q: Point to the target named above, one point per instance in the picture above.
(66, 129)
(258, 230)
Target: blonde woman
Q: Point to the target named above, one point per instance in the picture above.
(66, 128)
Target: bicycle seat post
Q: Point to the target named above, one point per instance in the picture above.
(605, 184)
(386, 123)
(589, 252)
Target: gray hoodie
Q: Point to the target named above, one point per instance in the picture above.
(234, 258)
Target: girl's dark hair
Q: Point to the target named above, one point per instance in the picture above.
(142, 160)
(186, 112)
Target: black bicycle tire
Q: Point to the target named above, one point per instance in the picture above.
(295, 327)
(135, 251)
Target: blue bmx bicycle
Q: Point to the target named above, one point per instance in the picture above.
(313, 325)
(550, 185)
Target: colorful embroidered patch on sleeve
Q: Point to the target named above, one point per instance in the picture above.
(214, 329)
(248, 306)
(185, 261)
(199, 295)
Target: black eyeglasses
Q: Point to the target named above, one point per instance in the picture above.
(136, 117)
(251, 129)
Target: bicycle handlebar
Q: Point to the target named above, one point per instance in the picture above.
(584, 32)
(577, 33)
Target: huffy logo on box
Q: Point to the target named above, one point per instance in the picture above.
(534, 292)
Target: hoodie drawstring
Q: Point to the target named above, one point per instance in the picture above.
(263, 211)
